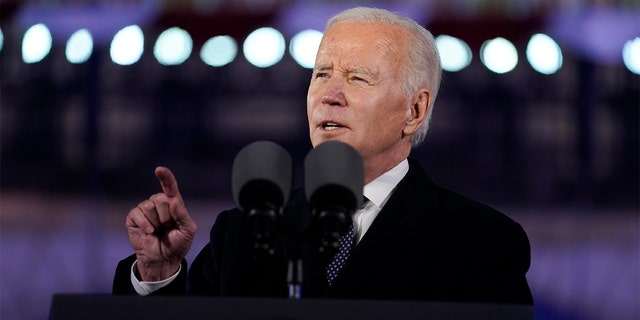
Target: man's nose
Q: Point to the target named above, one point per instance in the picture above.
(334, 93)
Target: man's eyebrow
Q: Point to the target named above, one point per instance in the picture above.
(321, 67)
(361, 70)
(356, 70)
(364, 71)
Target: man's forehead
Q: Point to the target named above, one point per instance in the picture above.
(351, 36)
(357, 55)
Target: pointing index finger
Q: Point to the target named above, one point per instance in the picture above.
(167, 181)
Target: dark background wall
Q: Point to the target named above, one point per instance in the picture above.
(558, 153)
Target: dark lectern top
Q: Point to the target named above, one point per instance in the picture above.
(97, 307)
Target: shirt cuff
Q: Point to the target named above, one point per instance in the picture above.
(145, 288)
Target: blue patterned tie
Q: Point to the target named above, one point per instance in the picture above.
(344, 251)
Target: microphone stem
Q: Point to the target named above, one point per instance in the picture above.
(294, 279)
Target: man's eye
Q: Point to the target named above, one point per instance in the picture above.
(358, 79)
(322, 75)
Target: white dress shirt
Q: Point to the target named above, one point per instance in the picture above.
(377, 191)
(144, 288)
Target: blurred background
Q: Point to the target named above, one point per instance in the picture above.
(537, 116)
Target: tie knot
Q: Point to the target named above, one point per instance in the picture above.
(364, 201)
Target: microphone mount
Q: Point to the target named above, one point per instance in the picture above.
(334, 179)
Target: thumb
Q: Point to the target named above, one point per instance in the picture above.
(167, 181)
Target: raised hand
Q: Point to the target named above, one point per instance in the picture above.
(160, 230)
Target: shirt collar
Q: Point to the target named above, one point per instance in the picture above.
(379, 189)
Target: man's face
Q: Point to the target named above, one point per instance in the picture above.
(356, 93)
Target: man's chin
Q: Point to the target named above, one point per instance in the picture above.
(319, 140)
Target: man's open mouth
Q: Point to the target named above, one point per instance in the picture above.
(330, 126)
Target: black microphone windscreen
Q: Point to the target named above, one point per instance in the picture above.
(261, 176)
(334, 177)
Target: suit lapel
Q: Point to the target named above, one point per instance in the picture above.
(406, 216)
(406, 212)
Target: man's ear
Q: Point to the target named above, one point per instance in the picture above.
(418, 113)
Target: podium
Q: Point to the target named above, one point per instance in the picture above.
(97, 307)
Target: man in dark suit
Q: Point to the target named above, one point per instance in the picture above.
(373, 87)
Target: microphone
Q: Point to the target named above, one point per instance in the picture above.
(334, 179)
(261, 183)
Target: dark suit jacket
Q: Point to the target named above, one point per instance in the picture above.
(427, 243)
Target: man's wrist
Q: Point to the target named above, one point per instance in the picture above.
(154, 272)
(144, 288)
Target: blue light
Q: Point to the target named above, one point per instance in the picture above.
(264, 47)
(544, 54)
(219, 51)
(127, 45)
(499, 55)
(455, 54)
(79, 46)
(304, 47)
(36, 43)
(173, 46)
(631, 55)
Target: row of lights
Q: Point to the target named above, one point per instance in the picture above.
(266, 46)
